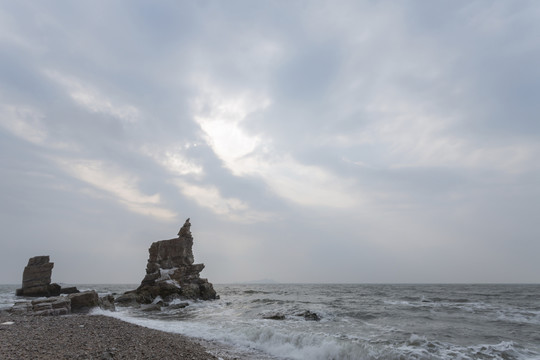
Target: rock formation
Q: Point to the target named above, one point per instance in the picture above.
(52, 306)
(170, 273)
(81, 302)
(37, 279)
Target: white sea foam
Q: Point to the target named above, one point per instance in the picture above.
(7, 296)
(269, 339)
(165, 274)
(284, 342)
(519, 317)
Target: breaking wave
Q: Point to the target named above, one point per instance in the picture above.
(355, 322)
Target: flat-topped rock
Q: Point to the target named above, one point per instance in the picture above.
(38, 272)
(37, 279)
(83, 301)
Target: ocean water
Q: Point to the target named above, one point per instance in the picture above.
(356, 321)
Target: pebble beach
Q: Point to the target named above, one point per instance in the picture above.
(90, 337)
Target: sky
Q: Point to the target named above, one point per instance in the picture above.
(308, 141)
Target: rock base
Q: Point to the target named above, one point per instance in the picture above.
(81, 302)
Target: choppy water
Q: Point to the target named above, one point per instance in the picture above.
(357, 321)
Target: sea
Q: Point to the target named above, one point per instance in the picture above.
(349, 321)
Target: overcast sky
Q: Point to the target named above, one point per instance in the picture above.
(308, 141)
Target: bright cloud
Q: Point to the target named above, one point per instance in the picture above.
(120, 185)
(210, 197)
(173, 159)
(221, 117)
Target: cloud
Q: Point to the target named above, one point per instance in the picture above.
(28, 124)
(173, 159)
(209, 197)
(414, 136)
(93, 100)
(119, 184)
(221, 117)
(23, 122)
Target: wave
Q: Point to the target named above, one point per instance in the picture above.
(289, 343)
(519, 317)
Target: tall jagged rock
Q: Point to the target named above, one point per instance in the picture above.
(37, 278)
(170, 272)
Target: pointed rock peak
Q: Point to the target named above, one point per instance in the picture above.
(171, 273)
(185, 230)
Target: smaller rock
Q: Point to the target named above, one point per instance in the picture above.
(309, 315)
(37, 279)
(276, 316)
(21, 308)
(179, 305)
(127, 299)
(84, 301)
(106, 302)
(52, 306)
(151, 307)
(69, 290)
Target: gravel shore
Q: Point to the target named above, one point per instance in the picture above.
(90, 337)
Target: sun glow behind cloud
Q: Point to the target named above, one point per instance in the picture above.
(221, 117)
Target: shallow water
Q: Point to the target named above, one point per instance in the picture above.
(357, 321)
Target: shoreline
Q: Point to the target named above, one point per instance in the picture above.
(83, 336)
